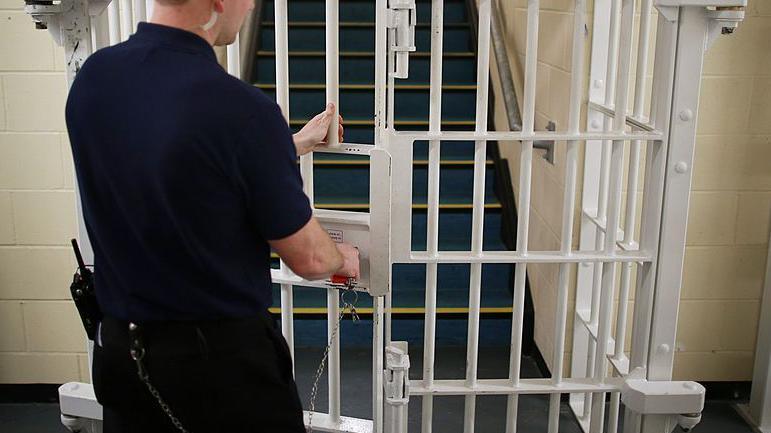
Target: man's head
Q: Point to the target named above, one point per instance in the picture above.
(218, 21)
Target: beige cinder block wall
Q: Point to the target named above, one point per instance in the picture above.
(41, 339)
(730, 198)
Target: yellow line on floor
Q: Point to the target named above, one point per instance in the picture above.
(400, 310)
(367, 122)
(468, 54)
(366, 162)
(319, 86)
(445, 206)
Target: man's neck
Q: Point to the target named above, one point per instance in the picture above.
(190, 22)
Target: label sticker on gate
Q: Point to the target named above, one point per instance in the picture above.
(336, 235)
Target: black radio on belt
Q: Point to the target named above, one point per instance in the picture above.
(82, 290)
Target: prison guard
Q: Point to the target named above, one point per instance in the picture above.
(185, 173)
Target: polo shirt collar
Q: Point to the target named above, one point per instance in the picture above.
(175, 37)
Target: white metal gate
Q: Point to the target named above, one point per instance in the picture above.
(652, 147)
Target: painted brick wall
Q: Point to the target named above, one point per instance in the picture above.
(41, 338)
(730, 200)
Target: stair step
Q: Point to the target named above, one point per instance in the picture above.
(361, 11)
(359, 37)
(410, 103)
(350, 183)
(365, 161)
(398, 87)
(398, 122)
(418, 206)
(456, 300)
(359, 68)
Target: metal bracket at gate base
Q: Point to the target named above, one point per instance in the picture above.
(663, 397)
(401, 25)
(396, 380)
(396, 384)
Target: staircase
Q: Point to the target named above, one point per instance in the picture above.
(341, 181)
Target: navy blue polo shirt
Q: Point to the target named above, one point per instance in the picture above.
(185, 173)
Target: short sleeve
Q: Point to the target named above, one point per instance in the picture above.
(270, 177)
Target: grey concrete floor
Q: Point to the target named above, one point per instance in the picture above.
(718, 417)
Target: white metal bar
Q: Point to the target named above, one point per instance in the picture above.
(333, 376)
(631, 202)
(532, 136)
(332, 57)
(693, 24)
(636, 122)
(568, 206)
(100, 31)
(610, 88)
(126, 20)
(113, 17)
(525, 177)
(287, 317)
(505, 387)
(582, 350)
(432, 221)
(530, 257)
(149, 7)
(234, 58)
(377, 364)
(139, 13)
(478, 210)
(613, 214)
(380, 70)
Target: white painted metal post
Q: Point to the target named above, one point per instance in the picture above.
(760, 400)
(568, 206)
(478, 210)
(333, 67)
(583, 353)
(432, 219)
(333, 372)
(126, 20)
(138, 12)
(149, 5)
(602, 206)
(287, 317)
(525, 175)
(631, 201)
(234, 58)
(113, 17)
(692, 37)
(377, 364)
(613, 216)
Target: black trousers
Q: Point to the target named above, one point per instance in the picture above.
(216, 376)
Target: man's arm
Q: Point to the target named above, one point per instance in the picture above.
(311, 254)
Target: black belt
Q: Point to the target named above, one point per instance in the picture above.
(169, 335)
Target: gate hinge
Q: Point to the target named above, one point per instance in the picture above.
(401, 21)
(683, 401)
(396, 375)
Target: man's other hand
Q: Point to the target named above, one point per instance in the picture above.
(350, 266)
(314, 133)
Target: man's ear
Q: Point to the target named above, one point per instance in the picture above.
(219, 6)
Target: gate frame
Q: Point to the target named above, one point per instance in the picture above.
(654, 403)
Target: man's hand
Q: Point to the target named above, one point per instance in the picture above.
(350, 266)
(314, 133)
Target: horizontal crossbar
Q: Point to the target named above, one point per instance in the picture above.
(507, 387)
(531, 257)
